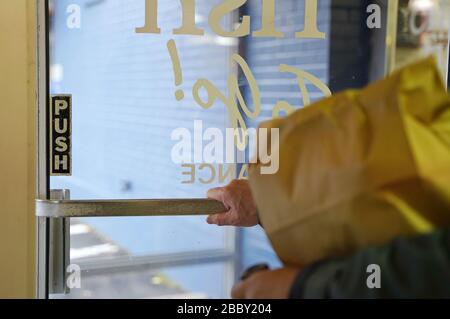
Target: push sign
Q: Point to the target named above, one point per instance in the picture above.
(60, 135)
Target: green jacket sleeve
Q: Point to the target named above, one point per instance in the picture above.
(416, 267)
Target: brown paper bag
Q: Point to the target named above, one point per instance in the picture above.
(359, 168)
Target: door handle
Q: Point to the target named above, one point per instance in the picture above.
(127, 208)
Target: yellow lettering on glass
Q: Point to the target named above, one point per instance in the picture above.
(188, 27)
(220, 11)
(151, 18)
(212, 175)
(310, 30)
(235, 102)
(302, 76)
(268, 29)
(190, 172)
(238, 108)
(268, 21)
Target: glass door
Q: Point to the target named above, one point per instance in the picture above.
(155, 88)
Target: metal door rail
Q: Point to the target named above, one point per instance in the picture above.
(127, 208)
(122, 264)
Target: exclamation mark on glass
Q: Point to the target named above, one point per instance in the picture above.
(178, 73)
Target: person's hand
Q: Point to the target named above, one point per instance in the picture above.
(267, 284)
(238, 200)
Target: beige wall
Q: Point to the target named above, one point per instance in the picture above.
(17, 148)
